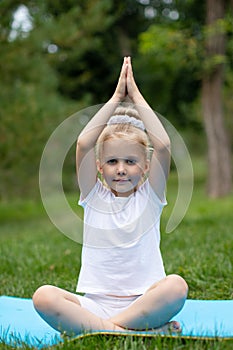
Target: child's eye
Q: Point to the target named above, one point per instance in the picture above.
(131, 161)
(112, 161)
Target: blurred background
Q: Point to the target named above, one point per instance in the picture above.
(58, 57)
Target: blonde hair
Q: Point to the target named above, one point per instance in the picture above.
(125, 131)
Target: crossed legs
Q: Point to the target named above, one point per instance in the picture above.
(161, 302)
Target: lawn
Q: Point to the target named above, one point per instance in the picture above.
(33, 252)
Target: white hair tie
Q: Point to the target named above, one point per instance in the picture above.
(125, 119)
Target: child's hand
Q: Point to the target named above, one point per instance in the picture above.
(132, 89)
(121, 91)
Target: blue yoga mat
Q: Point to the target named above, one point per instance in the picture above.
(19, 322)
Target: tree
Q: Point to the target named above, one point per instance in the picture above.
(219, 151)
(67, 61)
(71, 56)
(30, 107)
(197, 53)
(91, 39)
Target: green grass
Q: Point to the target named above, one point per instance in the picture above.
(33, 252)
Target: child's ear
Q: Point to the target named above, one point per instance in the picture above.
(147, 166)
(99, 168)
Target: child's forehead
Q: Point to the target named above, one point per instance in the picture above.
(121, 147)
(115, 142)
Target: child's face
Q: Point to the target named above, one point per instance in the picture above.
(122, 165)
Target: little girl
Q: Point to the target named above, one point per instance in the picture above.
(122, 273)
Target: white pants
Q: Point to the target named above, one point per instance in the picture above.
(105, 306)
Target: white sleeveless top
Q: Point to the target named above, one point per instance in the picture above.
(121, 254)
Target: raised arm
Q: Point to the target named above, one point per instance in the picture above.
(160, 161)
(85, 150)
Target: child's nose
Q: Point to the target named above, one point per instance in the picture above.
(121, 168)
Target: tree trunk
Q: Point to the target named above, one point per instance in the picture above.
(219, 181)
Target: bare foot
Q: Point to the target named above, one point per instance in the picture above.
(170, 327)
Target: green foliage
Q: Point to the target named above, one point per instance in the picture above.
(79, 60)
(175, 61)
(91, 39)
(29, 111)
(67, 61)
(171, 59)
(170, 47)
(211, 33)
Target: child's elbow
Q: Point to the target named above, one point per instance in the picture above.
(82, 144)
